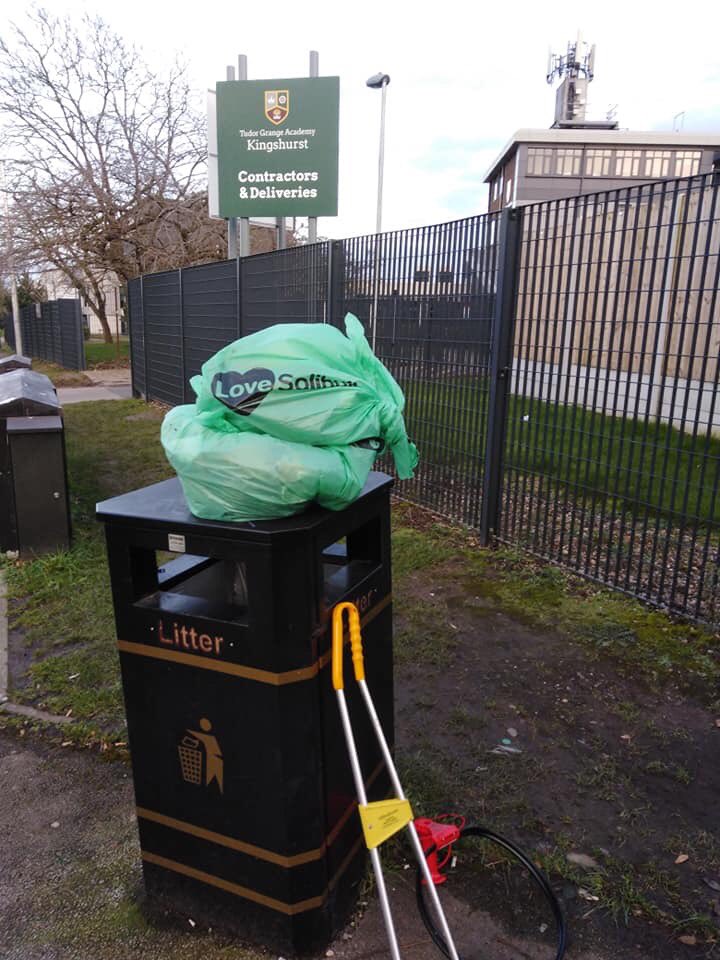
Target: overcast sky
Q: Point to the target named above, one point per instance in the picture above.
(464, 77)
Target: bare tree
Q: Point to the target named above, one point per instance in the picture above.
(107, 156)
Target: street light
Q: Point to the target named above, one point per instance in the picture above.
(379, 81)
(10, 253)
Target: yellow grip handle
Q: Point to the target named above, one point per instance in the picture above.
(355, 643)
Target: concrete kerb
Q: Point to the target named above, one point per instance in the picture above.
(68, 395)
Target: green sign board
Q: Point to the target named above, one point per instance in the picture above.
(277, 147)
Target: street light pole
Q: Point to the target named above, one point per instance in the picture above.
(10, 241)
(380, 81)
(381, 159)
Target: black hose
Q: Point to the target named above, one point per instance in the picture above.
(537, 875)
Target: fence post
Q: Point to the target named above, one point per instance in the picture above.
(335, 280)
(79, 336)
(500, 370)
(238, 292)
(182, 336)
(145, 343)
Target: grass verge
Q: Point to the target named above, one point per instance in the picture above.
(639, 639)
(60, 376)
(61, 602)
(101, 354)
(643, 467)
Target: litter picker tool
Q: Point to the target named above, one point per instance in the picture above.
(383, 818)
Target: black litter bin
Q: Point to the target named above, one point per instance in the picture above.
(25, 393)
(36, 447)
(15, 362)
(245, 801)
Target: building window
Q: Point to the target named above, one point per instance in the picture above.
(508, 190)
(539, 161)
(597, 162)
(627, 163)
(687, 163)
(568, 161)
(657, 163)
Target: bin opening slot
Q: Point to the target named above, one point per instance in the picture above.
(348, 561)
(199, 587)
(336, 552)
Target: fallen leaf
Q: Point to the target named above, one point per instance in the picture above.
(582, 860)
(512, 731)
(682, 858)
(626, 736)
(713, 884)
(689, 939)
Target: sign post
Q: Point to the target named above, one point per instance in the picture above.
(244, 221)
(232, 224)
(314, 72)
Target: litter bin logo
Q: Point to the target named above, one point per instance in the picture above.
(200, 753)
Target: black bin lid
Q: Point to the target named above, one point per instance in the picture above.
(22, 425)
(15, 362)
(25, 393)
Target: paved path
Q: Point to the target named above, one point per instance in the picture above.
(100, 392)
(111, 377)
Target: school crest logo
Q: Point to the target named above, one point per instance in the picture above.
(277, 105)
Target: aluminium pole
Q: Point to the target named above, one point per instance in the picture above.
(244, 221)
(378, 219)
(281, 234)
(15, 307)
(232, 223)
(314, 72)
(381, 159)
(10, 239)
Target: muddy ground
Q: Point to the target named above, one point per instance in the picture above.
(608, 779)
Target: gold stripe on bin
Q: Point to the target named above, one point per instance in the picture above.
(220, 666)
(230, 842)
(238, 669)
(290, 909)
(241, 846)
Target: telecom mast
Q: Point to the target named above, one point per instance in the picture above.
(577, 67)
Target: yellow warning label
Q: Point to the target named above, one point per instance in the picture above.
(382, 819)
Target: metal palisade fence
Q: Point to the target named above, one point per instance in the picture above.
(560, 363)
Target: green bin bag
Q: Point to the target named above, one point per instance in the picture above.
(285, 417)
(306, 383)
(236, 475)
